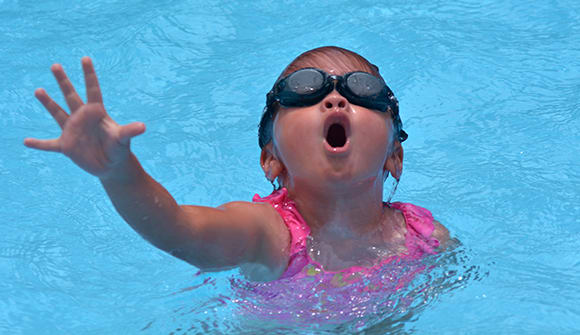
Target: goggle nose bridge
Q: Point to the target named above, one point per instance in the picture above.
(336, 83)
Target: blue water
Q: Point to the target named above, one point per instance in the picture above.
(489, 94)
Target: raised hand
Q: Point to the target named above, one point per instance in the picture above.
(90, 137)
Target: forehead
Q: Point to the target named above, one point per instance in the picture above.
(337, 64)
(337, 69)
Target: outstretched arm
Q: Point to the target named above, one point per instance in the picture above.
(209, 238)
(212, 239)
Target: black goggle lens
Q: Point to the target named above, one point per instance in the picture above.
(364, 85)
(305, 81)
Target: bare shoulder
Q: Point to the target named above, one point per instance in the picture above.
(250, 211)
(264, 217)
(232, 235)
(273, 242)
(441, 234)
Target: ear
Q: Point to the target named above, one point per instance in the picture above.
(394, 163)
(270, 163)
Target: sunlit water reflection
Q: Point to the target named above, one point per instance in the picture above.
(490, 97)
(374, 304)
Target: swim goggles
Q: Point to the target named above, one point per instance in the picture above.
(308, 86)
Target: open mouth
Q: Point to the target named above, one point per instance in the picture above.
(336, 135)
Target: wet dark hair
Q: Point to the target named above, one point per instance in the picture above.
(340, 57)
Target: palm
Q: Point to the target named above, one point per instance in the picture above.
(90, 137)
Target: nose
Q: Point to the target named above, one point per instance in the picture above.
(334, 101)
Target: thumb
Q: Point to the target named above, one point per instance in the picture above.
(131, 130)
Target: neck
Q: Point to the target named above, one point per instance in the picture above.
(341, 212)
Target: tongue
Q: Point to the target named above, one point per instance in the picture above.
(336, 136)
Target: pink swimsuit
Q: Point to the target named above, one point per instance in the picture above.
(307, 294)
(418, 239)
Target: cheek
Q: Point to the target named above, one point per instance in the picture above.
(377, 133)
(295, 134)
(374, 140)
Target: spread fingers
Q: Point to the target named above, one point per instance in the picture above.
(45, 145)
(73, 100)
(91, 82)
(51, 106)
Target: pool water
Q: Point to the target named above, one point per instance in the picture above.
(490, 96)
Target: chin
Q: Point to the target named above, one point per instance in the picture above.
(346, 180)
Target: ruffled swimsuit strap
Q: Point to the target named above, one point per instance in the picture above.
(419, 239)
(297, 227)
(418, 242)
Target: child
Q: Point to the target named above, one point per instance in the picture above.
(330, 135)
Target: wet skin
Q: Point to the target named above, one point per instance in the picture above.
(339, 191)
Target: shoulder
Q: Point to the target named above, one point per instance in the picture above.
(422, 222)
(272, 239)
(441, 234)
(256, 211)
(260, 215)
(418, 219)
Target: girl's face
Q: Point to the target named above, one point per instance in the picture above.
(334, 142)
